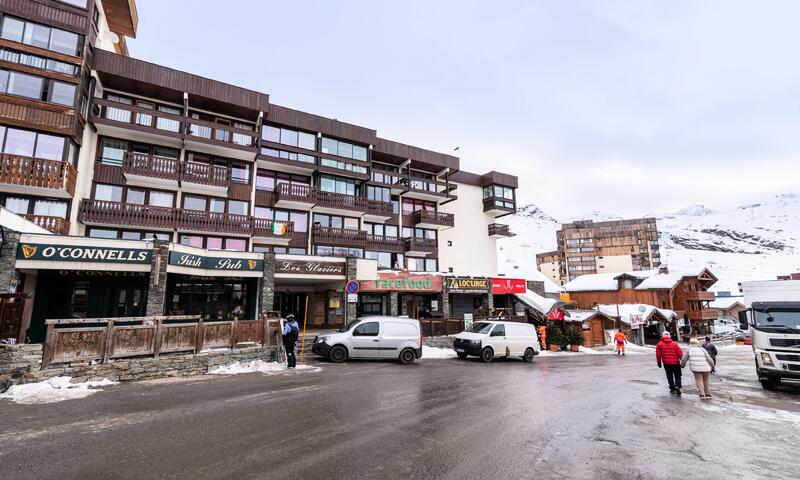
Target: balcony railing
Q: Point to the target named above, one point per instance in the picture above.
(499, 230)
(204, 174)
(499, 204)
(57, 225)
(700, 296)
(339, 237)
(292, 192)
(434, 218)
(704, 314)
(219, 133)
(380, 243)
(151, 166)
(37, 172)
(168, 218)
(414, 244)
(138, 118)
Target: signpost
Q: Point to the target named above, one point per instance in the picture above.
(468, 321)
(352, 287)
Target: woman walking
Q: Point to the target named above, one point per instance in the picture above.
(701, 364)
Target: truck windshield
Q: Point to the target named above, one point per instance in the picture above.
(778, 319)
(480, 327)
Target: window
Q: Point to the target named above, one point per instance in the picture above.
(298, 157)
(62, 93)
(195, 203)
(379, 194)
(192, 241)
(102, 233)
(326, 162)
(431, 264)
(160, 199)
(214, 243)
(131, 236)
(369, 329)
(50, 208)
(216, 205)
(77, 3)
(49, 147)
(135, 196)
(25, 85)
(237, 244)
(300, 220)
(3, 80)
(343, 149)
(111, 193)
(347, 186)
(238, 207)
(112, 152)
(17, 205)
(384, 258)
(40, 36)
(499, 330)
(289, 137)
(414, 205)
(240, 172)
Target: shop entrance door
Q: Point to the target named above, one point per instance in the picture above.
(290, 302)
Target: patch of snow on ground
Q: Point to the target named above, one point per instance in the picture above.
(56, 389)
(258, 366)
(433, 352)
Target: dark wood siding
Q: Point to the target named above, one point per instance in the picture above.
(316, 123)
(417, 154)
(51, 13)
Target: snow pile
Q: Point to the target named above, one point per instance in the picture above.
(534, 300)
(258, 366)
(56, 389)
(433, 352)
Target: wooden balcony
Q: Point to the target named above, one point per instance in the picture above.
(270, 231)
(433, 220)
(419, 246)
(342, 237)
(20, 174)
(377, 211)
(295, 196)
(205, 221)
(380, 243)
(700, 296)
(499, 230)
(103, 212)
(37, 115)
(57, 225)
(122, 120)
(141, 169)
(703, 315)
(499, 206)
(425, 188)
(217, 138)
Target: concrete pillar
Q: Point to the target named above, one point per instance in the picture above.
(157, 290)
(393, 304)
(350, 309)
(266, 300)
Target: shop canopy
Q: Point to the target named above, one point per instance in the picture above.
(541, 304)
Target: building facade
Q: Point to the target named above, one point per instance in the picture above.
(98, 145)
(586, 247)
(548, 264)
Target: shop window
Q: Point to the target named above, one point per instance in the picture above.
(297, 251)
(214, 243)
(192, 241)
(279, 250)
(131, 236)
(80, 299)
(102, 233)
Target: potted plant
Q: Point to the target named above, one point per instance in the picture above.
(574, 338)
(555, 338)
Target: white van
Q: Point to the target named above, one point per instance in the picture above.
(489, 339)
(372, 337)
(725, 326)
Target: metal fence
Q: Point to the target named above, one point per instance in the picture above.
(105, 339)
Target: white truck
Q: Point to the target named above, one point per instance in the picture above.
(773, 320)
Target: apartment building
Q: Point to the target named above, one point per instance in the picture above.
(548, 264)
(175, 194)
(588, 247)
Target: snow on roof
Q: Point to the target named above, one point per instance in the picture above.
(534, 300)
(726, 302)
(651, 279)
(626, 310)
(580, 315)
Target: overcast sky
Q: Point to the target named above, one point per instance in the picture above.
(629, 107)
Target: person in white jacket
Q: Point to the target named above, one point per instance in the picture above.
(701, 364)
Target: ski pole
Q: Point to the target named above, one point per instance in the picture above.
(724, 387)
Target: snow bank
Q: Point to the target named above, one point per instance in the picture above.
(56, 389)
(433, 352)
(258, 366)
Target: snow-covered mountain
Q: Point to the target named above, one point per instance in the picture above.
(750, 242)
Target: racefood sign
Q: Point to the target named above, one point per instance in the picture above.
(215, 263)
(466, 283)
(83, 253)
(303, 267)
(397, 282)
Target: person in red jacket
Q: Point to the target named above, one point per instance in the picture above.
(620, 339)
(669, 353)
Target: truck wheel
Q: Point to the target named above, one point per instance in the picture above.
(462, 355)
(528, 357)
(407, 356)
(338, 354)
(487, 354)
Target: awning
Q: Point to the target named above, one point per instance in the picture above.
(539, 303)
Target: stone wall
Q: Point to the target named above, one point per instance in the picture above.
(18, 360)
(438, 342)
(158, 279)
(130, 370)
(8, 259)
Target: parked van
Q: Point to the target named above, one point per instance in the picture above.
(488, 339)
(725, 326)
(372, 337)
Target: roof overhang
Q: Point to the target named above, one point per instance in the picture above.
(122, 16)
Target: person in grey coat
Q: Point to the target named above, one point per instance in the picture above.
(701, 364)
(711, 349)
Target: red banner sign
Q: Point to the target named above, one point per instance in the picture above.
(555, 315)
(502, 286)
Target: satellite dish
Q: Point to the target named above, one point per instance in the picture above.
(112, 37)
(642, 309)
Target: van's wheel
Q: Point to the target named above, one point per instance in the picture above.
(462, 355)
(407, 356)
(487, 354)
(528, 357)
(338, 354)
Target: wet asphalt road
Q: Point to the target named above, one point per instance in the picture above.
(584, 416)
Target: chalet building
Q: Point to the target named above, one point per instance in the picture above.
(120, 157)
(685, 293)
(728, 305)
(586, 247)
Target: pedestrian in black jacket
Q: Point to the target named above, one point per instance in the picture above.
(711, 349)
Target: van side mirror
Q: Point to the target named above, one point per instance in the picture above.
(743, 324)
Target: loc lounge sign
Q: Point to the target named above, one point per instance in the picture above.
(215, 263)
(467, 283)
(398, 282)
(83, 253)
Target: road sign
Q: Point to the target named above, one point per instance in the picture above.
(352, 287)
(352, 298)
